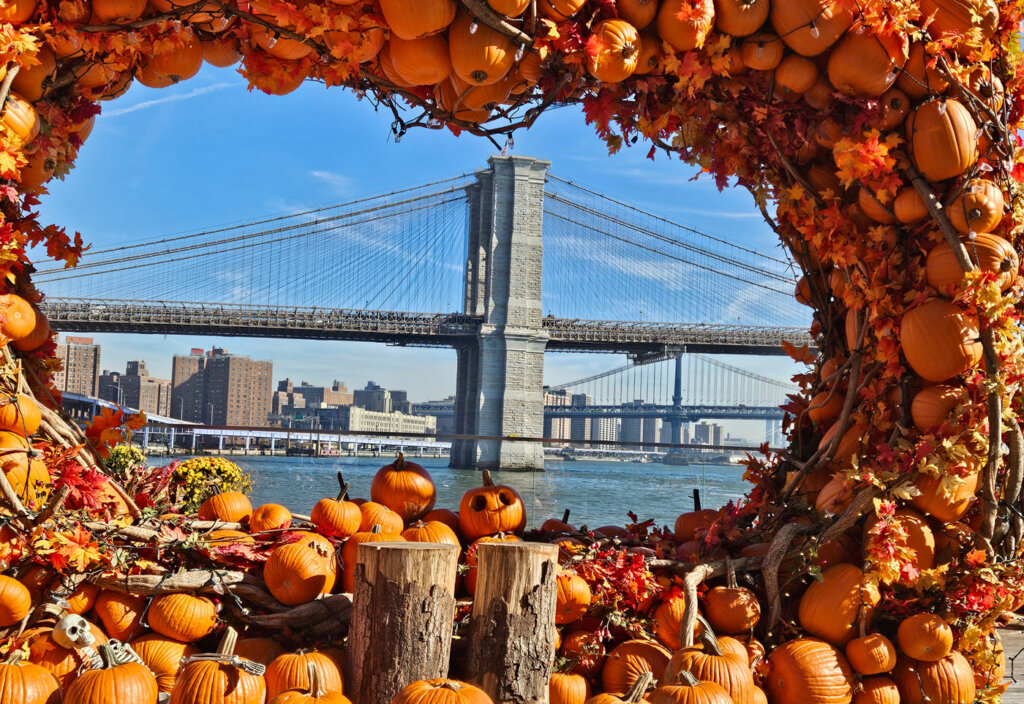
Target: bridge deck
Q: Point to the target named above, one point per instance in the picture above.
(402, 328)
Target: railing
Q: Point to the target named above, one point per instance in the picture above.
(692, 412)
(602, 332)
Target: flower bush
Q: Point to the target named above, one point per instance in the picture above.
(195, 480)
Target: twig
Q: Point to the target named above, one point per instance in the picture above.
(770, 567)
(5, 89)
(489, 17)
(56, 501)
(690, 582)
(21, 515)
(1014, 464)
(207, 581)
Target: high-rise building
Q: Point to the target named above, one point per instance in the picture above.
(605, 429)
(400, 401)
(373, 398)
(337, 395)
(137, 389)
(707, 433)
(81, 366)
(579, 428)
(219, 388)
(557, 428)
(632, 429)
(652, 433)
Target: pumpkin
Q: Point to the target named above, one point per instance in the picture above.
(925, 637)
(65, 664)
(689, 525)
(920, 539)
(825, 407)
(261, 650)
(182, 616)
(217, 682)
(315, 692)
(865, 63)
(916, 79)
(15, 601)
(634, 695)
(21, 118)
(629, 660)
(117, 11)
(26, 683)
(270, 517)
(795, 73)
(934, 502)
(960, 17)
(163, 657)
(349, 551)
(491, 509)
(809, 27)
(229, 506)
(732, 608)
(573, 597)
(932, 405)
(877, 690)
(988, 252)
(301, 571)
(471, 557)
(848, 444)
(414, 20)
(831, 608)
(942, 137)
(586, 652)
(612, 51)
(337, 518)
(568, 688)
(509, 8)
(404, 487)
(181, 62)
(479, 56)
(120, 613)
(638, 13)
(949, 679)
(292, 671)
(740, 18)
(375, 514)
(835, 496)
(809, 671)
(31, 83)
(685, 34)
(689, 690)
(441, 691)
(871, 654)
(873, 208)
(977, 208)
(444, 515)
(446, 97)
(939, 340)
(895, 106)
(762, 51)
(83, 598)
(130, 683)
(709, 663)
(41, 331)
(17, 11)
(952, 541)
(559, 10)
(421, 62)
(986, 87)
(820, 95)
(431, 532)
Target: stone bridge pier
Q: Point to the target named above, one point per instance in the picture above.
(499, 386)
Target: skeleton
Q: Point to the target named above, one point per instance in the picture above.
(253, 668)
(72, 632)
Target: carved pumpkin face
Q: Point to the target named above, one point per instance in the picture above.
(491, 509)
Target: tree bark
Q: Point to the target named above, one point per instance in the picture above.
(512, 628)
(403, 605)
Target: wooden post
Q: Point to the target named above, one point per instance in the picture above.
(512, 629)
(403, 606)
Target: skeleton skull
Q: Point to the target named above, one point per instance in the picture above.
(73, 632)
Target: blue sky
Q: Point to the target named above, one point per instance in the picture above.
(208, 151)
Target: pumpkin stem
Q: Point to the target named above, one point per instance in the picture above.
(316, 688)
(227, 642)
(399, 464)
(453, 685)
(343, 496)
(565, 516)
(14, 657)
(487, 478)
(708, 639)
(106, 657)
(686, 678)
(730, 573)
(639, 688)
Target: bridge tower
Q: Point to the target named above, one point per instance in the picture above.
(500, 377)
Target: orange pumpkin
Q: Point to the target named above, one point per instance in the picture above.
(707, 662)
(932, 405)
(337, 518)
(559, 10)
(732, 608)
(629, 660)
(509, 8)
(943, 138)
(685, 34)
(444, 515)
(925, 637)
(825, 407)
(871, 654)
(977, 208)
(421, 62)
(31, 83)
(831, 608)
(270, 517)
(441, 691)
(404, 487)
(916, 79)
(939, 340)
(873, 208)
(908, 206)
(866, 62)
(182, 616)
(809, 670)
(877, 690)
(83, 598)
(795, 73)
(480, 55)
(375, 514)
(612, 51)
(19, 414)
(573, 598)
(292, 671)
(63, 663)
(568, 688)
(809, 27)
(301, 571)
(120, 613)
(638, 13)
(957, 18)
(687, 689)
(762, 51)
(689, 525)
(130, 682)
(491, 509)
(163, 657)
(117, 11)
(229, 506)
(431, 532)
(349, 551)
(315, 693)
(894, 107)
(15, 601)
(740, 18)
(261, 650)
(277, 46)
(17, 11)
(27, 683)
(835, 496)
(920, 539)
(181, 62)
(949, 679)
(933, 500)
(988, 252)
(586, 652)
(472, 561)
(21, 118)
(414, 20)
(217, 682)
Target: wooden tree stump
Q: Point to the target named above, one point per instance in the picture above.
(403, 605)
(512, 629)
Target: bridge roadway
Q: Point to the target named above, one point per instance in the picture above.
(687, 414)
(403, 328)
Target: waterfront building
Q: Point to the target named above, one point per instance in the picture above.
(219, 388)
(373, 397)
(579, 428)
(606, 429)
(136, 389)
(632, 429)
(651, 433)
(80, 358)
(708, 434)
(355, 419)
(558, 428)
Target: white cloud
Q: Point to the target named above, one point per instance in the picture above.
(342, 185)
(168, 99)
